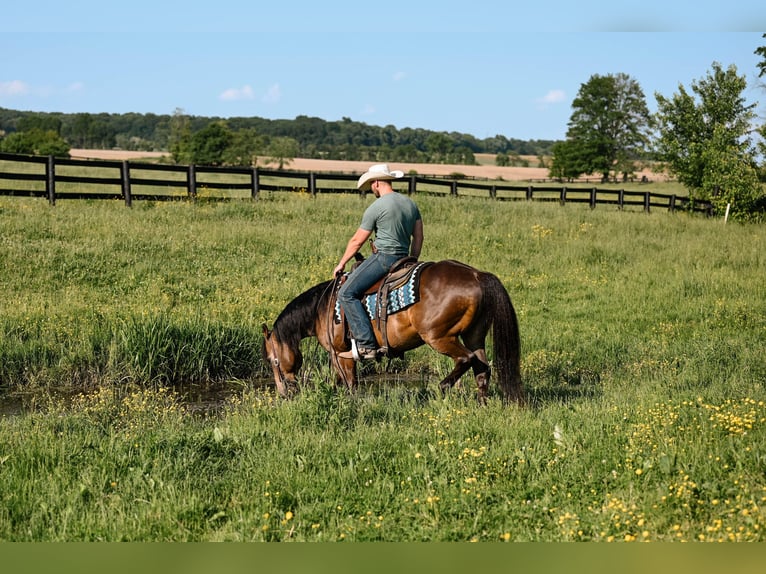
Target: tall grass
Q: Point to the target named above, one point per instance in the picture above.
(643, 359)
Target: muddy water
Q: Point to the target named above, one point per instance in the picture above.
(199, 399)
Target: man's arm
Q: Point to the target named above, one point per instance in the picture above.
(354, 245)
(417, 239)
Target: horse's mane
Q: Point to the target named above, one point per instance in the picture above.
(297, 319)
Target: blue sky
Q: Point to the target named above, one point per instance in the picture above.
(479, 67)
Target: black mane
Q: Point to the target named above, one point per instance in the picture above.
(297, 319)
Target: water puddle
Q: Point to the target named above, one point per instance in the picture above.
(198, 399)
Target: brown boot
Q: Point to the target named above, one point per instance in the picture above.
(362, 354)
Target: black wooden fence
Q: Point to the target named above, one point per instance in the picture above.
(57, 178)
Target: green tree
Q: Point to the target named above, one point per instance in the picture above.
(282, 151)
(89, 131)
(705, 141)
(35, 142)
(44, 122)
(438, 146)
(570, 160)
(244, 148)
(609, 127)
(179, 140)
(210, 144)
(761, 51)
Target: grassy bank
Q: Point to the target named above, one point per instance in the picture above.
(643, 358)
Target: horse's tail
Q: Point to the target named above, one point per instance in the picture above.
(506, 340)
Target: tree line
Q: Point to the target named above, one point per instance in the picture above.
(237, 140)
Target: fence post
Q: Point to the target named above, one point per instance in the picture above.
(563, 195)
(312, 184)
(621, 199)
(191, 182)
(412, 187)
(672, 204)
(593, 198)
(647, 201)
(453, 188)
(493, 192)
(125, 175)
(529, 193)
(255, 182)
(50, 179)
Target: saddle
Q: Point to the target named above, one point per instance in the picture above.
(402, 280)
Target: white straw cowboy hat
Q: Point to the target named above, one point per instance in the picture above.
(376, 172)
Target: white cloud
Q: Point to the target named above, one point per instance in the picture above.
(13, 88)
(399, 76)
(553, 97)
(75, 87)
(272, 95)
(236, 94)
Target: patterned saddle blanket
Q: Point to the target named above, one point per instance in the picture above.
(400, 290)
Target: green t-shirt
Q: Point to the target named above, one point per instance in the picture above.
(392, 217)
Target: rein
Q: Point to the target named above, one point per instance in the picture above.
(335, 284)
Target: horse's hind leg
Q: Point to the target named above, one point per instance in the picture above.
(481, 371)
(462, 357)
(461, 366)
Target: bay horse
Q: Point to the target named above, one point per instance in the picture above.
(456, 307)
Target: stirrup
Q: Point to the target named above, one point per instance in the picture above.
(357, 355)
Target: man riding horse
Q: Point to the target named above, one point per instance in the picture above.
(452, 308)
(398, 228)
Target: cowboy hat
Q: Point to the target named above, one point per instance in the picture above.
(376, 172)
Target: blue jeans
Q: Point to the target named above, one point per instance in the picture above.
(351, 293)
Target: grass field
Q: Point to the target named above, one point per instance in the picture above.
(643, 359)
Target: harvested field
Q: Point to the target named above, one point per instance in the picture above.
(487, 171)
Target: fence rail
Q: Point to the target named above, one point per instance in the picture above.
(59, 179)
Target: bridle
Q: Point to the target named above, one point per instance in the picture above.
(333, 287)
(275, 362)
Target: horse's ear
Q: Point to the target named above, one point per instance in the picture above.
(265, 331)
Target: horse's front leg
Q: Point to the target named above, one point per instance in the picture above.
(345, 372)
(333, 341)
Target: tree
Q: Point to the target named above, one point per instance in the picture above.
(35, 142)
(44, 122)
(608, 129)
(761, 51)
(762, 64)
(244, 148)
(209, 145)
(282, 150)
(89, 131)
(570, 160)
(706, 141)
(438, 145)
(180, 137)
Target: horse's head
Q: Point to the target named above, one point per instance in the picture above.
(285, 361)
